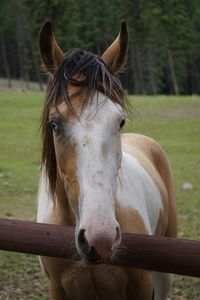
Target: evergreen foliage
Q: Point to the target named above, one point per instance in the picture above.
(164, 51)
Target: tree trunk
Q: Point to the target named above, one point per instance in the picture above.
(169, 51)
(5, 61)
(172, 71)
(33, 59)
(195, 79)
(151, 67)
(140, 78)
(132, 84)
(22, 46)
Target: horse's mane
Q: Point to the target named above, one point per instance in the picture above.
(95, 77)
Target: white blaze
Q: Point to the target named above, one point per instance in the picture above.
(98, 149)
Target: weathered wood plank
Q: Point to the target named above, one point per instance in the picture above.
(168, 255)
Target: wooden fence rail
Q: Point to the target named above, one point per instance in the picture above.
(168, 255)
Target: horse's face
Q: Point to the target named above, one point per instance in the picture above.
(87, 145)
(88, 153)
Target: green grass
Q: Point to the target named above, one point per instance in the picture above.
(173, 121)
(19, 152)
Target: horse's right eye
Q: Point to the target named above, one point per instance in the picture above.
(55, 127)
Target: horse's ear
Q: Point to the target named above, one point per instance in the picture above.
(50, 52)
(116, 55)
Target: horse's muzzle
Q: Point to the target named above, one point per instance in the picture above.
(98, 248)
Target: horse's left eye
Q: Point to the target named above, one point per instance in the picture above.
(122, 123)
(55, 127)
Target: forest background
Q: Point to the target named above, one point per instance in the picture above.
(164, 48)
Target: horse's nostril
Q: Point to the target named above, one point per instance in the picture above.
(118, 234)
(84, 246)
(83, 243)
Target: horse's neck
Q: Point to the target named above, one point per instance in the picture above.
(138, 192)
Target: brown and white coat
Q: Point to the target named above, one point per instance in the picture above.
(106, 183)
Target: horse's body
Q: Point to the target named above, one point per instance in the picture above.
(121, 187)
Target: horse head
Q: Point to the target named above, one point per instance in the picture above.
(82, 121)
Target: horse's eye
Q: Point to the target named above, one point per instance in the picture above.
(122, 123)
(55, 127)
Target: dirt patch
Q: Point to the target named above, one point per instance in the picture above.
(178, 113)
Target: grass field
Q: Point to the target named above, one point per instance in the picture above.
(173, 121)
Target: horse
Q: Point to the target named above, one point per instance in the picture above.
(97, 179)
